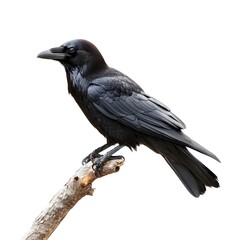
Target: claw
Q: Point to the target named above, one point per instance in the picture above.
(97, 167)
(95, 154)
(90, 157)
(86, 160)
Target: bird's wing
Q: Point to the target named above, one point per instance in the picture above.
(119, 100)
(126, 103)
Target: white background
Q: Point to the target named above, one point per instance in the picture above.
(184, 53)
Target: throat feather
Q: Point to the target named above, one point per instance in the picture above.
(76, 81)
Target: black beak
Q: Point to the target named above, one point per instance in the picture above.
(54, 54)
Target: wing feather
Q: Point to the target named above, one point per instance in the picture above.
(126, 108)
(141, 112)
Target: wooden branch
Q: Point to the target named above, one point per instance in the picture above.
(78, 186)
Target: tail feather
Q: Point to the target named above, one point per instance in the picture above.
(193, 185)
(193, 174)
(201, 171)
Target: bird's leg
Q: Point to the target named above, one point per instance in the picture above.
(97, 166)
(95, 153)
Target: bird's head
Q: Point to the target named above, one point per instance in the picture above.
(77, 54)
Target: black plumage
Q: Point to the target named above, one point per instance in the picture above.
(122, 112)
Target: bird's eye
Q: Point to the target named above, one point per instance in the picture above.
(71, 50)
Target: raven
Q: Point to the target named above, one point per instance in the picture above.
(121, 111)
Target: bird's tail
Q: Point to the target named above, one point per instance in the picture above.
(193, 174)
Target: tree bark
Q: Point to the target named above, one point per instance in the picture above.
(78, 186)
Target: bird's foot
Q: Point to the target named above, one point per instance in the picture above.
(97, 166)
(94, 154)
(91, 157)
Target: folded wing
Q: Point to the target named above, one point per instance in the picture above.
(139, 111)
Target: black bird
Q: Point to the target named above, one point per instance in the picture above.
(122, 112)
